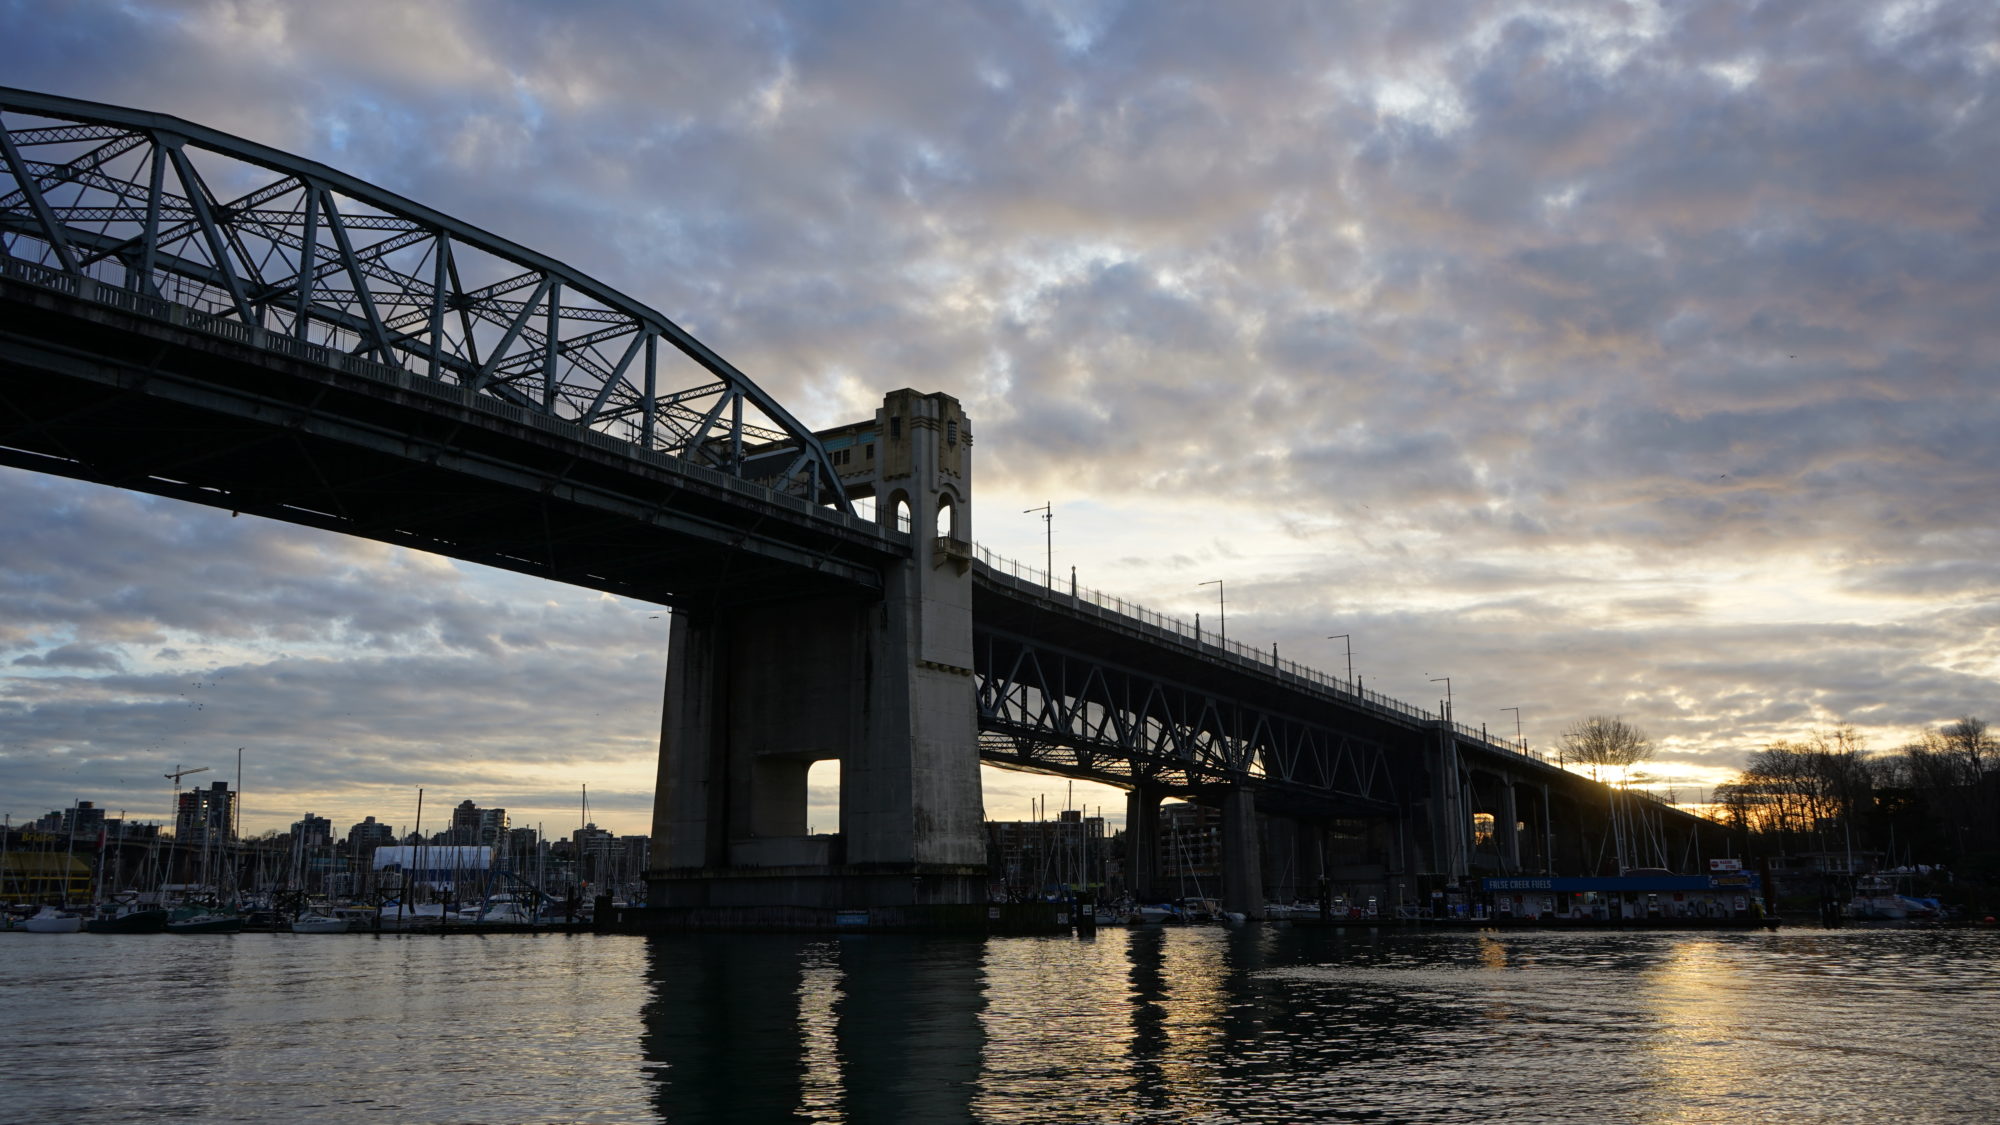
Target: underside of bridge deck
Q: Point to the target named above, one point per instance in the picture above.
(108, 396)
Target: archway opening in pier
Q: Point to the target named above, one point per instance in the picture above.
(823, 797)
(1482, 829)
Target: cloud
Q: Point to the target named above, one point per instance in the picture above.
(70, 656)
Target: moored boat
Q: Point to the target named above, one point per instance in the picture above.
(49, 920)
(319, 924)
(142, 920)
(206, 922)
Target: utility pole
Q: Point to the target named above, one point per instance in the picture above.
(1048, 512)
(1350, 653)
(1221, 611)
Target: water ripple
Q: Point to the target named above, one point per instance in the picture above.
(1184, 1025)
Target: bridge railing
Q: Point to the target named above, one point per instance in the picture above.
(187, 316)
(1188, 632)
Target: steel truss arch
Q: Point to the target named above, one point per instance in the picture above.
(1052, 710)
(237, 230)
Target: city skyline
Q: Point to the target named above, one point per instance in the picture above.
(1602, 358)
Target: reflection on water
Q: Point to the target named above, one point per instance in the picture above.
(1257, 1024)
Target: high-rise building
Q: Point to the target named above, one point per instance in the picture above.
(464, 824)
(81, 821)
(206, 816)
(368, 835)
(492, 827)
(596, 853)
(312, 831)
(471, 824)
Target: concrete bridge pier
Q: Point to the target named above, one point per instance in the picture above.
(1507, 827)
(756, 694)
(1548, 832)
(1450, 811)
(1242, 870)
(1283, 864)
(1142, 842)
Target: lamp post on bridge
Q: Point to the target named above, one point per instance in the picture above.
(1517, 728)
(1350, 653)
(1048, 511)
(1446, 681)
(1221, 612)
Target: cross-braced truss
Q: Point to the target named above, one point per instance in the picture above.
(236, 230)
(1043, 708)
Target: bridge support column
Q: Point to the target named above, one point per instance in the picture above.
(1280, 859)
(1450, 814)
(1242, 871)
(1142, 842)
(1507, 822)
(1549, 833)
(757, 693)
(1311, 882)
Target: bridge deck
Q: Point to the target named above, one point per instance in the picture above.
(123, 390)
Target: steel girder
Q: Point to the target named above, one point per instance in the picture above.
(239, 231)
(1052, 710)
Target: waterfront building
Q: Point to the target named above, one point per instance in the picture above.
(1640, 895)
(450, 870)
(1034, 857)
(1190, 845)
(50, 876)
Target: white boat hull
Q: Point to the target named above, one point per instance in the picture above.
(50, 923)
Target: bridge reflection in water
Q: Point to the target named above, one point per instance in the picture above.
(1286, 1024)
(1184, 1024)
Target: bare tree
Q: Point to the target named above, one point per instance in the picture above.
(1970, 745)
(1605, 740)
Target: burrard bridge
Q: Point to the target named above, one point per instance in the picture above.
(197, 316)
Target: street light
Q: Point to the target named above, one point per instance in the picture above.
(1049, 541)
(1517, 727)
(1446, 681)
(1350, 653)
(1221, 611)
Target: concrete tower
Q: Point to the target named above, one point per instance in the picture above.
(758, 693)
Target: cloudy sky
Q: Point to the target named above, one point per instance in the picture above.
(1624, 358)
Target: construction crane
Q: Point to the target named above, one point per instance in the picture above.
(179, 773)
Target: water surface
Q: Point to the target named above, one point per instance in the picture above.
(1182, 1025)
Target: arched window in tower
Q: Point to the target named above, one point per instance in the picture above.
(946, 518)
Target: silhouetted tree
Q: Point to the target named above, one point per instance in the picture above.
(1605, 740)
